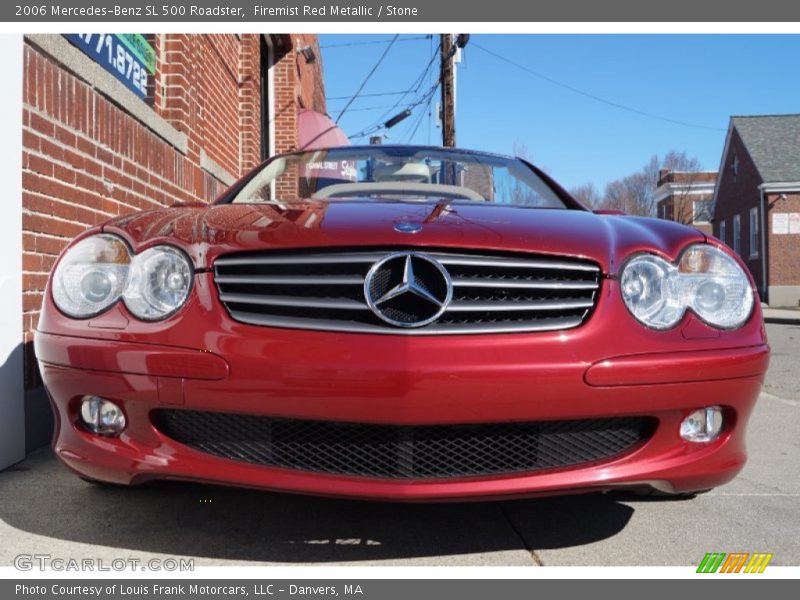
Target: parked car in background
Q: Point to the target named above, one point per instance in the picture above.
(404, 323)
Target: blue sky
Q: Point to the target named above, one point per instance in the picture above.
(697, 79)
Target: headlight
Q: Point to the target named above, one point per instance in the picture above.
(100, 270)
(161, 278)
(705, 280)
(91, 276)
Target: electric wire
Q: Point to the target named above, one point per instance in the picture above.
(377, 125)
(367, 78)
(368, 42)
(421, 117)
(591, 96)
(374, 95)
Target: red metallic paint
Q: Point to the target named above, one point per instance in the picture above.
(201, 359)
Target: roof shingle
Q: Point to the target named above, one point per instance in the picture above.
(773, 142)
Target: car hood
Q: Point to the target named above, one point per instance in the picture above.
(207, 232)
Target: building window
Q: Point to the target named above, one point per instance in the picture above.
(737, 234)
(701, 211)
(722, 233)
(753, 232)
(662, 210)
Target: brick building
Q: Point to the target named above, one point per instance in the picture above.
(686, 197)
(103, 138)
(757, 192)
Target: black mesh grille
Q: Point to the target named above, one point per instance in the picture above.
(404, 452)
(324, 289)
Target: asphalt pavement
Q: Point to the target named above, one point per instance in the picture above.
(46, 510)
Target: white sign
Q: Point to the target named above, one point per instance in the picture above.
(794, 222)
(780, 223)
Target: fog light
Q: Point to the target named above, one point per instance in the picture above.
(702, 425)
(101, 416)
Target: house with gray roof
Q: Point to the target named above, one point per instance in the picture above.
(756, 203)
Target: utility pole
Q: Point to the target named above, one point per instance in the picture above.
(448, 91)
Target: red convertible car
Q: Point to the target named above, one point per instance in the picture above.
(403, 323)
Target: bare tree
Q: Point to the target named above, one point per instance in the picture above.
(632, 194)
(520, 149)
(587, 194)
(615, 196)
(688, 171)
(635, 193)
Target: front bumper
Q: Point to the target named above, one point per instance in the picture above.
(372, 379)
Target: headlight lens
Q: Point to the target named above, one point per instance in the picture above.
(161, 278)
(705, 280)
(91, 276)
(100, 270)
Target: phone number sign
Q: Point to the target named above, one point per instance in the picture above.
(128, 57)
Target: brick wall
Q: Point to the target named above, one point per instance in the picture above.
(87, 159)
(736, 195)
(310, 94)
(783, 251)
(680, 208)
(682, 191)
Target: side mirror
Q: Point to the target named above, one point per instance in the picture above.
(609, 211)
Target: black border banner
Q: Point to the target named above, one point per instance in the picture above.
(388, 589)
(399, 11)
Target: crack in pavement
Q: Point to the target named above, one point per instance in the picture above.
(537, 560)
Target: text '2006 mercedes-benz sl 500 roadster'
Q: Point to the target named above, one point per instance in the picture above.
(402, 323)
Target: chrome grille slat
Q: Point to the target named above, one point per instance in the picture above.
(324, 290)
(334, 303)
(505, 263)
(291, 279)
(357, 327)
(489, 305)
(303, 259)
(516, 284)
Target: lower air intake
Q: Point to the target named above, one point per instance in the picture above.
(404, 452)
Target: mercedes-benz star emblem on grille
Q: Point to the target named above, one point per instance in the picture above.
(408, 289)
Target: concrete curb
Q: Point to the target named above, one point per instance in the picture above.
(781, 316)
(781, 321)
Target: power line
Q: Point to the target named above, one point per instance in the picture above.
(422, 116)
(381, 41)
(368, 108)
(366, 79)
(415, 86)
(412, 126)
(591, 96)
(374, 95)
(417, 83)
(426, 97)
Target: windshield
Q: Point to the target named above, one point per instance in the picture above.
(408, 174)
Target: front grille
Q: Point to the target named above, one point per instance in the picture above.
(494, 293)
(404, 452)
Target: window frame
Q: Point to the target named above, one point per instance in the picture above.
(753, 233)
(707, 202)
